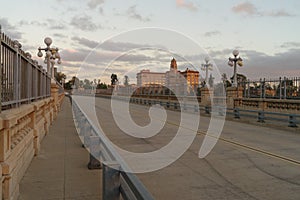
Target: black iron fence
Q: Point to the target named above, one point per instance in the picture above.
(281, 88)
(22, 79)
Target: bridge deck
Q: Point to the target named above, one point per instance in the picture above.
(248, 162)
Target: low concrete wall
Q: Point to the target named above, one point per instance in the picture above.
(270, 105)
(21, 132)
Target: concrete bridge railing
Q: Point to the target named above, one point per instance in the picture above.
(29, 102)
(21, 132)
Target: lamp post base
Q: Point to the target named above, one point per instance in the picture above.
(232, 94)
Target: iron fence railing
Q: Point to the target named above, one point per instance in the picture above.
(22, 79)
(281, 88)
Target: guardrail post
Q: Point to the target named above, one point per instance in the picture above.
(206, 108)
(94, 162)
(111, 181)
(261, 117)
(86, 136)
(175, 105)
(236, 113)
(195, 108)
(292, 121)
(221, 111)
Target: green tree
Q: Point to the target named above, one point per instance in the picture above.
(102, 86)
(87, 84)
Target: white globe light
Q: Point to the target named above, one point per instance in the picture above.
(45, 61)
(52, 61)
(57, 55)
(240, 63)
(206, 59)
(230, 63)
(59, 62)
(39, 54)
(48, 41)
(235, 52)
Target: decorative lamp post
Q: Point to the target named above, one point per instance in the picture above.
(232, 62)
(63, 82)
(50, 57)
(205, 67)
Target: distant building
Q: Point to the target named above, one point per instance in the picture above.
(181, 82)
(192, 79)
(174, 80)
(147, 78)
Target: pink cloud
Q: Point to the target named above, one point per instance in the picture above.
(246, 8)
(188, 5)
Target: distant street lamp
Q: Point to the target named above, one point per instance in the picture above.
(232, 62)
(205, 67)
(63, 82)
(50, 57)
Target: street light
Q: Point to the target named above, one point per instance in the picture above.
(232, 63)
(63, 82)
(205, 67)
(50, 57)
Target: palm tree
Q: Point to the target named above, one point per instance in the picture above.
(114, 79)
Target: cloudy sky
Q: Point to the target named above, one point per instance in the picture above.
(265, 32)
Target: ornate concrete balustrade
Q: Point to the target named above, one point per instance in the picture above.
(272, 105)
(21, 132)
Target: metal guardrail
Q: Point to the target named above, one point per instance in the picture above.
(117, 182)
(291, 119)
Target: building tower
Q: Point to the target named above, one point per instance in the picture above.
(173, 65)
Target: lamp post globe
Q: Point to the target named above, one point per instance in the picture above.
(48, 41)
(50, 57)
(57, 55)
(206, 59)
(40, 54)
(235, 52)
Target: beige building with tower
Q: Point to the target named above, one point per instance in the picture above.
(180, 83)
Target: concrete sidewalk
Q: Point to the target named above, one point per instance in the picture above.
(60, 170)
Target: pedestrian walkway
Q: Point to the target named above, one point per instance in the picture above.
(60, 170)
